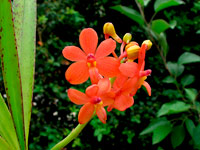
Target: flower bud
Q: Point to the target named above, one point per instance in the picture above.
(108, 29)
(148, 43)
(131, 44)
(132, 52)
(127, 38)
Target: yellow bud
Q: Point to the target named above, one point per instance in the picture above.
(131, 44)
(127, 38)
(108, 29)
(148, 43)
(132, 52)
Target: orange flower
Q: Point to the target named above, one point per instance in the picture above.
(93, 100)
(136, 71)
(91, 61)
(121, 94)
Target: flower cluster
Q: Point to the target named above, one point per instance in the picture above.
(115, 80)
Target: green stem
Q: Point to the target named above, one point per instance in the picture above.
(74, 133)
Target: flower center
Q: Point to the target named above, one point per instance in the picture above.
(91, 61)
(96, 100)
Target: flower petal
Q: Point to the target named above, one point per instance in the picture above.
(101, 113)
(148, 87)
(129, 85)
(141, 56)
(107, 100)
(85, 113)
(119, 81)
(88, 40)
(104, 86)
(77, 73)
(129, 69)
(105, 48)
(94, 75)
(92, 90)
(77, 97)
(123, 102)
(108, 66)
(73, 53)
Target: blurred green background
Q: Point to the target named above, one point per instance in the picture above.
(172, 113)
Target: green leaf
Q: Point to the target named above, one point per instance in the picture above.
(129, 12)
(146, 2)
(163, 4)
(175, 69)
(163, 43)
(25, 30)
(155, 124)
(172, 24)
(187, 58)
(177, 136)
(159, 25)
(191, 93)
(189, 126)
(7, 129)
(169, 79)
(4, 145)
(187, 80)
(10, 69)
(161, 133)
(173, 108)
(196, 135)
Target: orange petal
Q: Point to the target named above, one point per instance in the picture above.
(94, 75)
(92, 90)
(129, 85)
(77, 97)
(77, 73)
(119, 81)
(73, 53)
(107, 100)
(104, 86)
(129, 69)
(88, 40)
(147, 86)
(85, 113)
(123, 102)
(105, 48)
(101, 113)
(141, 56)
(108, 66)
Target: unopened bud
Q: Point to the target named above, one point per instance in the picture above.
(132, 52)
(148, 43)
(127, 38)
(131, 44)
(108, 29)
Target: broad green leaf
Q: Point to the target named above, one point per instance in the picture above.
(161, 133)
(175, 69)
(159, 25)
(4, 145)
(173, 108)
(7, 129)
(187, 58)
(162, 4)
(169, 79)
(191, 93)
(177, 136)
(196, 135)
(25, 29)
(189, 126)
(187, 80)
(155, 124)
(163, 43)
(10, 69)
(129, 12)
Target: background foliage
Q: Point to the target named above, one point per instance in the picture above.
(54, 116)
